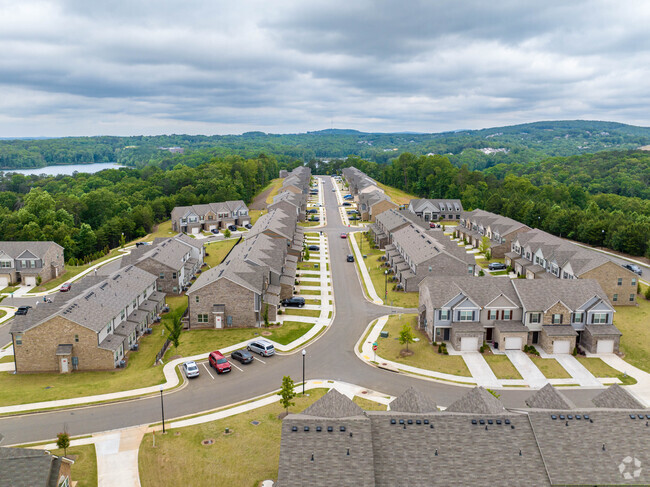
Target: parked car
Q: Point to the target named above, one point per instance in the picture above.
(248, 226)
(218, 362)
(314, 219)
(261, 346)
(65, 287)
(232, 228)
(190, 369)
(350, 258)
(243, 356)
(497, 266)
(312, 210)
(293, 301)
(353, 212)
(347, 197)
(347, 203)
(215, 231)
(139, 244)
(333, 190)
(634, 268)
(344, 235)
(434, 225)
(22, 310)
(313, 247)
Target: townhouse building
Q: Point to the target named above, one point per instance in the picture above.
(373, 203)
(25, 262)
(34, 468)
(290, 203)
(92, 327)
(476, 224)
(358, 181)
(416, 253)
(297, 181)
(280, 225)
(537, 254)
(510, 313)
(390, 221)
(209, 216)
(436, 209)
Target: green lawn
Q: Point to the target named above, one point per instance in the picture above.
(194, 342)
(289, 331)
(255, 215)
(6, 359)
(502, 367)
(425, 356)
(3, 313)
(309, 292)
(253, 451)
(397, 298)
(84, 469)
(633, 322)
(9, 289)
(217, 251)
(600, 369)
(368, 405)
(304, 266)
(309, 224)
(481, 262)
(550, 367)
(275, 184)
(161, 230)
(397, 196)
(314, 313)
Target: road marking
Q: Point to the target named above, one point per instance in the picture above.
(233, 365)
(208, 371)
(259, 360)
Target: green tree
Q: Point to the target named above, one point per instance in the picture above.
(287, 392)
(266, 315)
(122, 241)
(86, 240)
(226, 233)
(484, 247)
(175, 328)
(63, 441)
(406, 336)
(307, 254)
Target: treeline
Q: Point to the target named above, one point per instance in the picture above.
(86, 213)
(541, 197)
(513, 144)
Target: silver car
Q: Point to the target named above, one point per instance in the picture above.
(261, 346)
(190, 369)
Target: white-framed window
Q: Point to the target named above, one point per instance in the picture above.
(632, 297)
(444, 314)
(634, 281)
(466, 315)
(620, 281)
(173, 275)
(599, 318)
(492, 315)
(19, 338)
(196, 299)
(577, 317)
(470, 269)
(5, 264)
(202, 318)
(615, 297)
(535, 317)
(557, 319)
(507, 314)
(161, 275)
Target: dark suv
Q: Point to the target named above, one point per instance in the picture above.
(497, 266)
(22, 310)
(294, 301)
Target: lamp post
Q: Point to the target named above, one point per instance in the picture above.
(386, 285)
(162, 408)
(304, 352)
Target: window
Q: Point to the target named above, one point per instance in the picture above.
(535, 317)
(162, 275)
(229, 320)
(76, 338)
(631, 297)
(173, 275)
(620, 281)
(123, 313)
(634, 281)
(466, 315)
(203, 318)
(444, 314)
(470, 269)
(18, 338)
(615, 298)
(5, 263)
(32, 264)
(196, 299)
(599, 318)
(492, 315)
(577, 317)
(557, 319)
(507, 314)
(175, 289)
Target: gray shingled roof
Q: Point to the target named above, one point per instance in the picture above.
(169, 253)
(478, 400)
(603, 330)
(38, 249)
(22, 467)
(540, 295)
(548, 397)
(334, 405)
(413, 401)
(481, 290)
(616, 397)
(559, 330)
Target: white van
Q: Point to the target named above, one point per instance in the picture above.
(264, 347)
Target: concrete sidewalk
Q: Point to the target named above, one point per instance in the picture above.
(526, 368)
(364, 270)
(642, 388)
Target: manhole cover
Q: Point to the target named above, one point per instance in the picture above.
(207, 442)
(364, 392)
(255, 423)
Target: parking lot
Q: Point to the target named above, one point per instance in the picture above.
(208, 374)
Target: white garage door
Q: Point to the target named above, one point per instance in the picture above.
(4, 282)
(195, 230)
(605, 346)
(212, 227)
(30, 281)
(561, 346)
(468, 344)
(513, 343)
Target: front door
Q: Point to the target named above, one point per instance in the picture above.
(488, 334)
(535, 337)
(218, 321)
(64, 365)
(446, 335)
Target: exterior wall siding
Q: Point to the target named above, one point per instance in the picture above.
(239, 304)
(607, 276)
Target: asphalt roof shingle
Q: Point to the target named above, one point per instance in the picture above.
(548, 397)
(616, 397)
(478, 400)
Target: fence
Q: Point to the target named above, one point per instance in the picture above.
(160, 354)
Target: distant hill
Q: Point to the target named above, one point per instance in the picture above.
(479, 149)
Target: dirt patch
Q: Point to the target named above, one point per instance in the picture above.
(405, 353)
(266, 333)
(207, 442)
(175, 357)
(259, 202)
(282, 415)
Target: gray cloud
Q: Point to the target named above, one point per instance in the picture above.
(72, 67)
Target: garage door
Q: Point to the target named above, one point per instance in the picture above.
(469, 344)
(513, 343)
(212, 227)
(30, 280)
(4, 282)
(195, 230)
(561, 346)
(605, 346)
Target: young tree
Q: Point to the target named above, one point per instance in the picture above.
(307, 254)
(484, 247)
(226, 233)
(266, 315)
(175, 328)
(63, 441)
(287, 393)
(405, 336)
(122, 241)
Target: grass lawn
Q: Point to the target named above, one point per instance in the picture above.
(368, 405)
(550, 367)
(6, 359)
(499, 273)
(484, 263)
(304, 266)
(309, 292)
(397, 195)
(161, 230)
(194, 342)
(311, 234)
(633, 322)
(397, 298)
(2, 313)
(255, 215)
(425, 356)
(84, 469)
(288, 332)
(502, 367)
(275, 184)
(314, 313)
(253, 452)
(309, 224)
(9, 289)
(218, 251)
(600, 369)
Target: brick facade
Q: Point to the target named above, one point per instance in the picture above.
(546, 342)
(168, 284)
(589, 343)
(608, 275)
(238, 302)
(560, 309)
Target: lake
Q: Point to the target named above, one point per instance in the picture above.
(66, 169)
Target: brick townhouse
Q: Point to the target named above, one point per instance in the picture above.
(374, 203)
(290, 203)
(359, 182)
(474, 225)
(209, 216)
(510, 313)
(92, 327)
(24, 262)
(390, 221)
(436, 209)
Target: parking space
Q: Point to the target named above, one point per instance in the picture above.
(207, 373)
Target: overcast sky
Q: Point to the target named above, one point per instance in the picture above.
(127, 67)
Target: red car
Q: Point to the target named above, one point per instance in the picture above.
(65, 287)
(218, 362)
(344, 235)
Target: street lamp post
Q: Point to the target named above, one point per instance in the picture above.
(162, 408)
(304, 352)
(386, 285)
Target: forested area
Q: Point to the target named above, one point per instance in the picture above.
(513, 144)
(87, 213)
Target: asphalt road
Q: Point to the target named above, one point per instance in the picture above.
(331, 357)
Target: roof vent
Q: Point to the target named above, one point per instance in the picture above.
(342, 429)
(474, 421)
(294, 428)
(306, 428)
(392, 421)
(330, 429)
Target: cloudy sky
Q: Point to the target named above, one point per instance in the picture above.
(126, 67)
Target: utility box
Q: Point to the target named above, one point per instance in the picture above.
(383, 334)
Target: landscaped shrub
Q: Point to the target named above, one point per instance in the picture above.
(575, 351)
(647, 293)
(481, 273)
